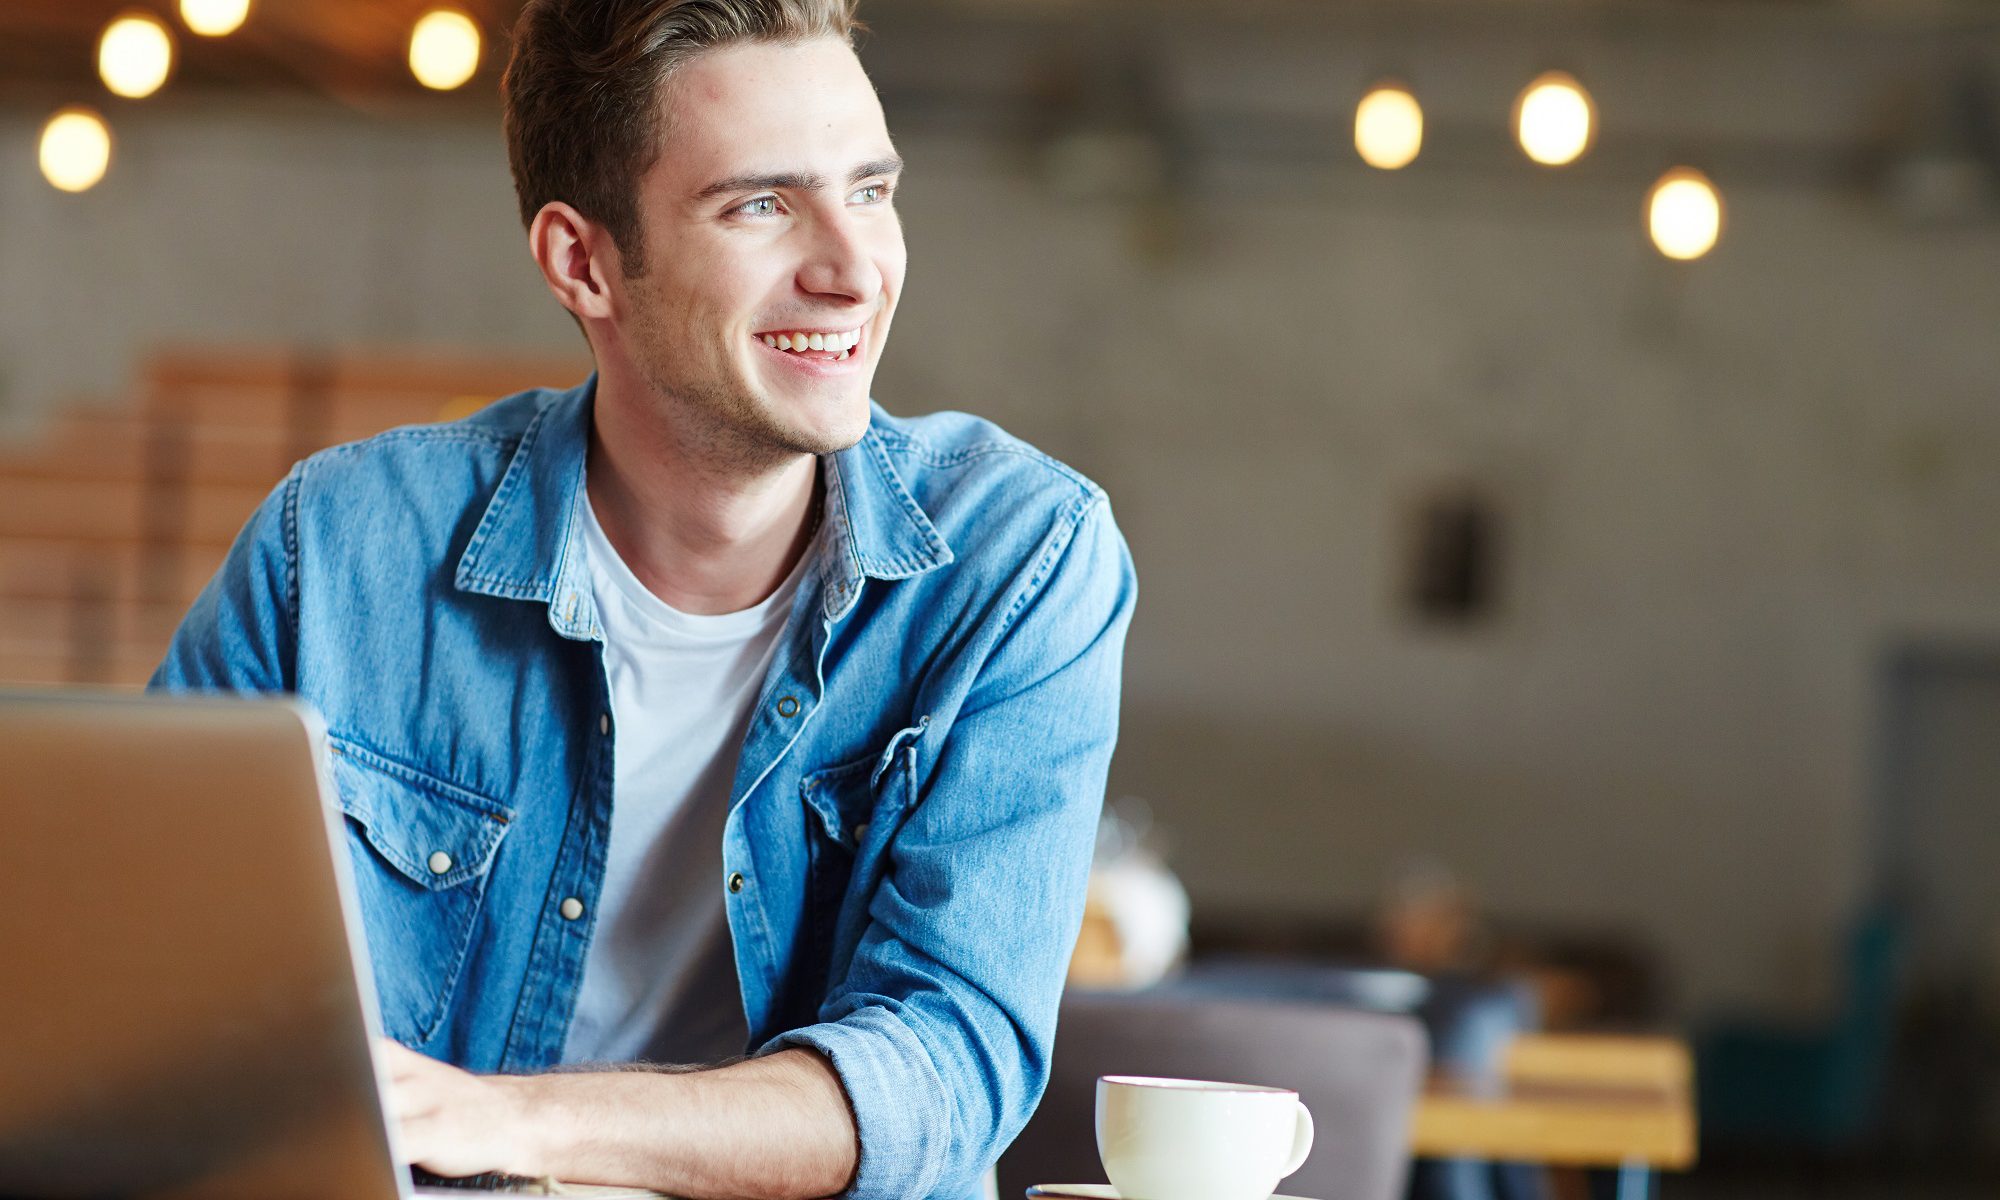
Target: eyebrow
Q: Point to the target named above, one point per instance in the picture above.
(795, 181)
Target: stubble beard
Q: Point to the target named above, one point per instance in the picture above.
(722, 420)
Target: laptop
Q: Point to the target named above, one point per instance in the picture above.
(186, 1006)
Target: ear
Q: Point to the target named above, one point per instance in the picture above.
(577, 258)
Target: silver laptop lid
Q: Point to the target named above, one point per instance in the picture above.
(185, 1003)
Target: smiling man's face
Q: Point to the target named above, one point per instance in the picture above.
(769, 223)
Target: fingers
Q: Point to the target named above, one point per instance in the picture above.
(405, 1068)
(421, 1137)
(399, 1059)
(410, 1093)
(410, 1105)
(442, 1114)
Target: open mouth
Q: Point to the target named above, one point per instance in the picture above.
(818, 345)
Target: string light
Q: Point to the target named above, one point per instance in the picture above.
(135, 54)
(75, 149)
(1388, 127)
(444, 49)
(214, 18)
(1555, 119)
(1684, 214)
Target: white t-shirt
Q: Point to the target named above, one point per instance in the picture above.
(659, 981)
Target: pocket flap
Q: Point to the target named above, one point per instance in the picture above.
(436, 833)
(844, 797)
(888, 758)
(840, 798)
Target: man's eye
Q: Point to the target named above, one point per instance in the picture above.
(762, 206)
(874, 193)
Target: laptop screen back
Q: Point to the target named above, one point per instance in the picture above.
(182, 1014)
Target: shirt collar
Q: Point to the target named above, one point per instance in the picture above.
(875, 529)
(529, 544)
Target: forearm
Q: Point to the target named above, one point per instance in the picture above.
(777, 1127)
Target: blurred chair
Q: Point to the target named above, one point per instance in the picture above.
(1814, 1089)
(1359, 1072)
(1470, 1021)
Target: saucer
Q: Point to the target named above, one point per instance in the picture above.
(1088, 1191)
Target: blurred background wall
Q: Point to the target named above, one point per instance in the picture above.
(1719, 499)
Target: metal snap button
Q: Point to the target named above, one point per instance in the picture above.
(572, 908)
(440, 862)
(788, 706)
(604, 723)
(736, 881)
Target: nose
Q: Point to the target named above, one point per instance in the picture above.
(841, 265)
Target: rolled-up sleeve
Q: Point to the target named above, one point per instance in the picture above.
(942, 1025)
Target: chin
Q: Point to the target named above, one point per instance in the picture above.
(834, 426)
(835, 438)
(854, 421)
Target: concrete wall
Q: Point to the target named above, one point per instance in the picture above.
(258, 222)
(1727, 487)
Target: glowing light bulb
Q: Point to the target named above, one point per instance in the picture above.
(1555, 119)
(214, 18)
(75, 149)
(1388, 127)
(134, 55)
(444, 49)
(1684, 214)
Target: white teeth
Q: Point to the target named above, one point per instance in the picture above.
(841, 357)
(840, 343)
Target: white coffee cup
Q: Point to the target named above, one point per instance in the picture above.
(1186, 1139)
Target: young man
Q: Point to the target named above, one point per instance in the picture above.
(703, 708)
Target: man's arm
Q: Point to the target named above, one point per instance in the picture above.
(776, 1127)
(241, 634)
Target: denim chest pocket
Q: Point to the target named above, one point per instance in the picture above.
(852, 811)
(422, 849)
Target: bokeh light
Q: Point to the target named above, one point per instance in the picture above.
(444, 49)
(1388, 127)
(1684, 214)
(214, 18)
(75, 149)
(135, 55)
(1555, 119)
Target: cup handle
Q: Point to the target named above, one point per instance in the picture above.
(1302, 1141)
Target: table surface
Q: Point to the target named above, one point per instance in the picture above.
(1568, 1100)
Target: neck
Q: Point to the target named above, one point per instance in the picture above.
(704, 534)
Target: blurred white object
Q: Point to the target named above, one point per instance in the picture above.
(1135, 913)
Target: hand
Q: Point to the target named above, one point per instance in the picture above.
(453, 1122)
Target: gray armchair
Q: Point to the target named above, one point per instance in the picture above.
(1359, 1073)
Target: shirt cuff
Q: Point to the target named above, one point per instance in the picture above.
(900, 1108)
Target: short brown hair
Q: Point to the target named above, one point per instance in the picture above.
(582, 92)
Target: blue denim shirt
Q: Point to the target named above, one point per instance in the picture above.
(913, 814)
